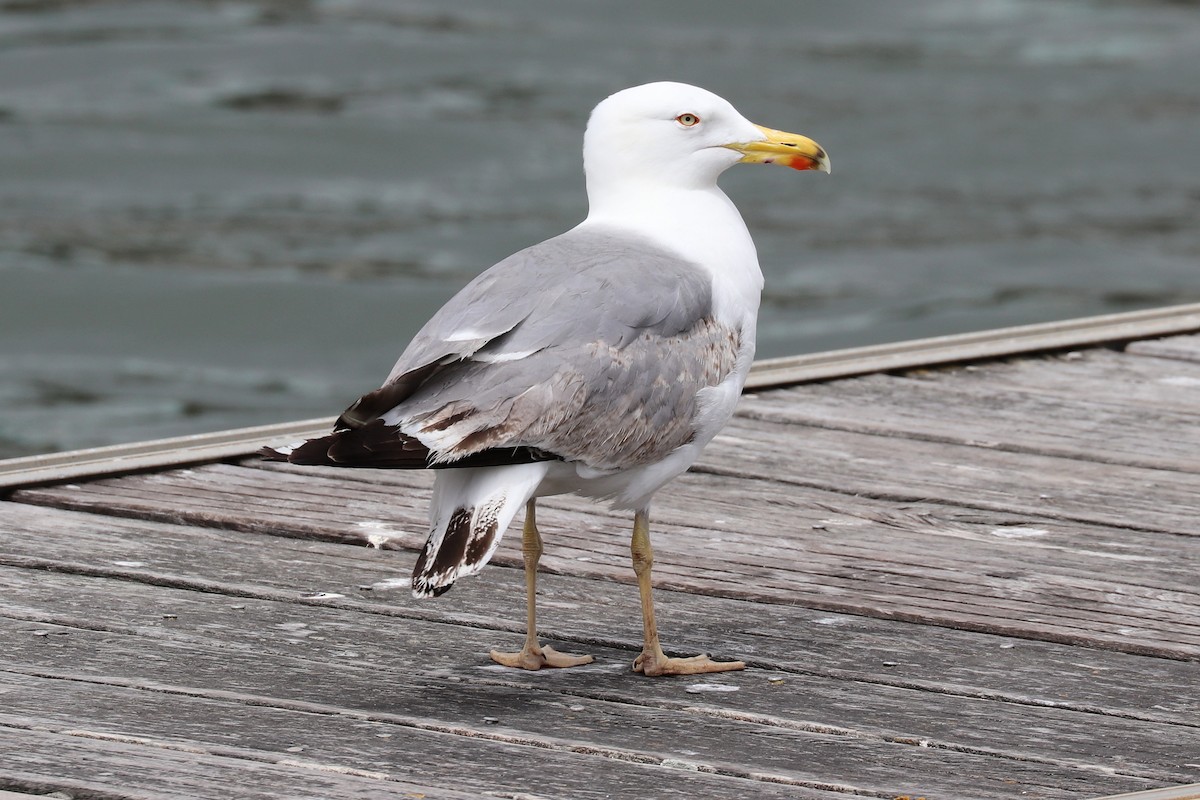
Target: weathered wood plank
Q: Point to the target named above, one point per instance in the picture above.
(977, 345)
(390, 511)
(337, 505)
(911, 470)
(877, 562)
(383, 744)
(1182, 348)
(1188, 792)
(378, 744)
(816, 643)
(990, 413)
(174, 451)
(210, 650)
(876, 651)
(880, 564)
(1030, 498)
(267, 638)
(812, 520)
(175, 745)
(80, 763)
(1100, 375)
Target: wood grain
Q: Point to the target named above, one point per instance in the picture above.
(996, 414)
(828, 553)
(814, 642)
(342, 663)
(1181, 348)
(976, 581)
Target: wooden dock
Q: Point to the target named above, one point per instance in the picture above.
(976, 580)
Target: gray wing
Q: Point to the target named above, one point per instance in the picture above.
(590, 347)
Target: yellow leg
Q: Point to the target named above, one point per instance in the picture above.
(533, 655)
(653, 661)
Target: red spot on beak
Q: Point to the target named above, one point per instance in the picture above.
(801, 162)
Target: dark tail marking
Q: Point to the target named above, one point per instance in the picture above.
(432, 574)
(462, 549)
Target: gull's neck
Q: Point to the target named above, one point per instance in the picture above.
(700, 224)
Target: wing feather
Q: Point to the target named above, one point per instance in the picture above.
(588, 347)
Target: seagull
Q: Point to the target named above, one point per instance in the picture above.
(599, 362)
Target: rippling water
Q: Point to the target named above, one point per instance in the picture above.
(230, 213)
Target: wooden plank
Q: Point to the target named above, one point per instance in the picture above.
(367, 743)
(964, 475)
(1098, 375)
(68, 762)
(994, 408)
(425, 654)
(173, 452)
(1088, 331)
(980, 477)
(1189, 792)
(838, 554)
(718, 504)
(389, 509)
(909, 472)
(501, 759)
(866, 576)
(1182, 348)
(149, 753)
(314, 575)
(764, 727)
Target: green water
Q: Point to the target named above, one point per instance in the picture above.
(223, 214)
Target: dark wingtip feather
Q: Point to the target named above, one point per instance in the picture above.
(271, 454)
(381, 445)
(312, 452)
(315, 451)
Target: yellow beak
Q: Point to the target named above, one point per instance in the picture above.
(789, 149)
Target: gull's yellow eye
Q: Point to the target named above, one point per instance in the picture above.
(687, 120)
